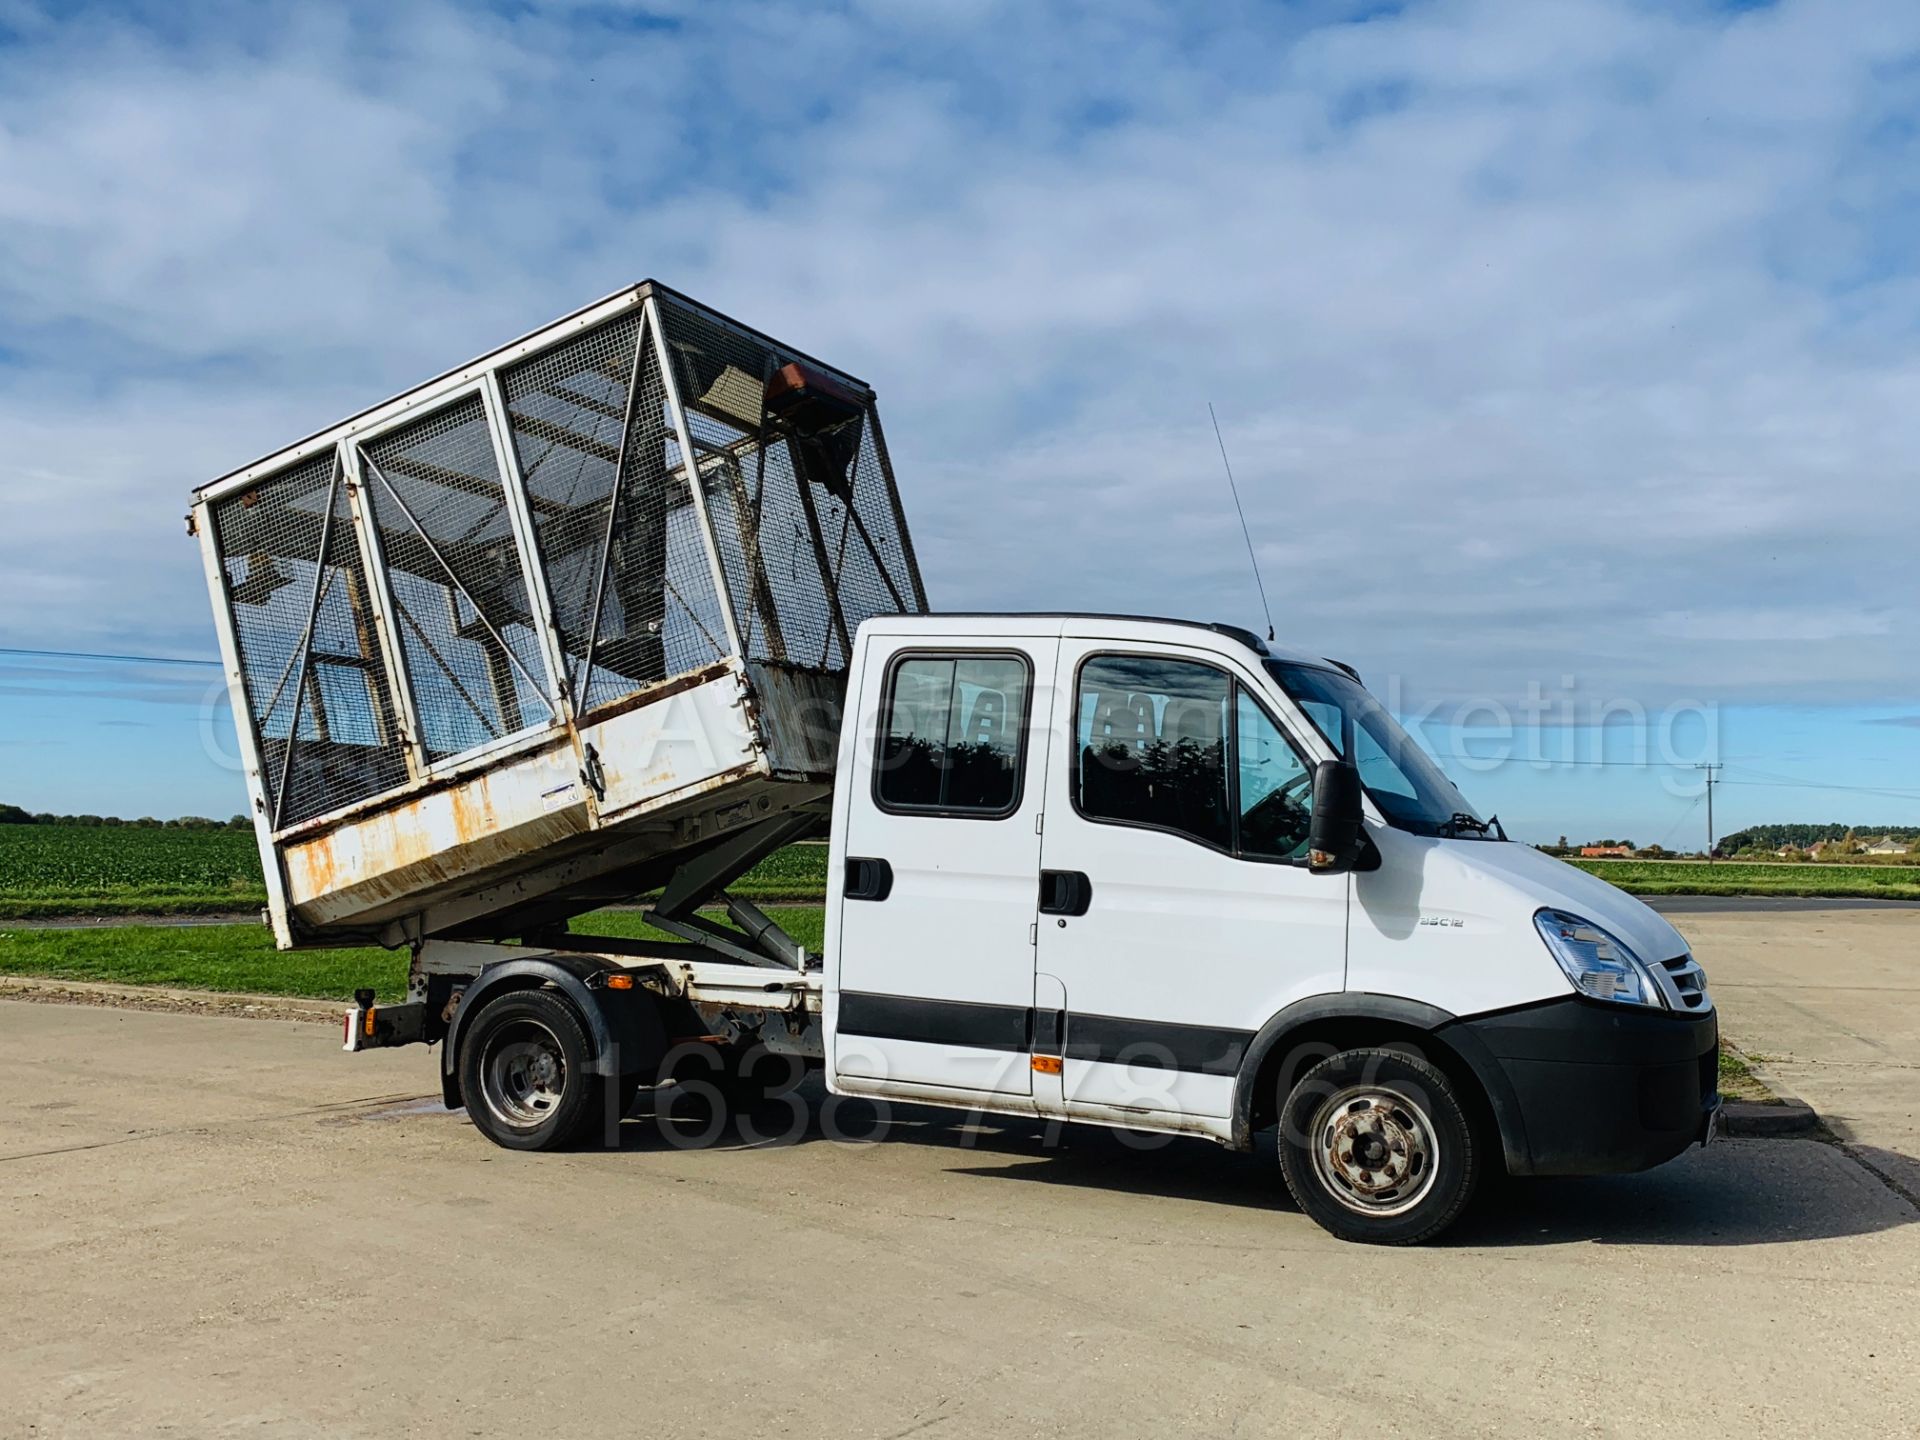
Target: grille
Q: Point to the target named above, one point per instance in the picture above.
(459, 592)
(794, 470)
(1688, 982)
(317, 688)
(627, 573)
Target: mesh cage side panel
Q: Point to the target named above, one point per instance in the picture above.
(613, 516)
(454, 570)
(865, 556)
(337, 719)
(802, 504)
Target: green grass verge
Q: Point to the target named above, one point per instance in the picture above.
(242, 958)
(1693, 877)
(1737, 1080)
(200, 957)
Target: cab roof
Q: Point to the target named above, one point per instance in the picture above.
(1077, 622)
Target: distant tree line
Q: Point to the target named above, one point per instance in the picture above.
(1776, 837)
(1568, 849)
(14, 815)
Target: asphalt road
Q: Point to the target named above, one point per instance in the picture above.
(222, 1225)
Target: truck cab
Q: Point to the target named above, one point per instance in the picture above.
(1081, 869)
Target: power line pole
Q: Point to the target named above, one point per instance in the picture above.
(1711, 770)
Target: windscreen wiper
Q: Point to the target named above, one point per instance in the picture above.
(1450, 829)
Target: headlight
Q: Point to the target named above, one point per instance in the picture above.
(1599, 964)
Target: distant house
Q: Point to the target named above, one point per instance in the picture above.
(1588, 852)
(1887, 845)
(1820, 847)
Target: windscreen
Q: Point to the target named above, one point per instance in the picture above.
(1409, 789)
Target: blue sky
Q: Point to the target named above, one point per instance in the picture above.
(1563, 349)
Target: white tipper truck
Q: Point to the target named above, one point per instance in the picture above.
(624, 607)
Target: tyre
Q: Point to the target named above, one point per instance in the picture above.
(524, 1073)
(1376, 1147)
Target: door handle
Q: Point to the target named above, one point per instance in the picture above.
(1065, 892)
(868, 878)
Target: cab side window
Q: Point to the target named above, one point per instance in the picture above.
(1152, 745)
(953, 735)
(1176, 745)
(1276, 787)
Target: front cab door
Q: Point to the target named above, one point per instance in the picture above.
(1177, 810)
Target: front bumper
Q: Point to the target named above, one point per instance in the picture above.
(1604, 1089)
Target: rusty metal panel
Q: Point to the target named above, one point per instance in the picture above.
(371, 866)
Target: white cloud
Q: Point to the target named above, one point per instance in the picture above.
(1544, 337)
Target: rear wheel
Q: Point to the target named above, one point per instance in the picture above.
(524, 1072)
(1376, 1147)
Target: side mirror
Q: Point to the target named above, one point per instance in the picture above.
(1335, 838)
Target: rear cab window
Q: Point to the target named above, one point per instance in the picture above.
(953, 734)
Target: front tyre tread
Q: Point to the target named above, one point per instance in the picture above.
(1438, 1103)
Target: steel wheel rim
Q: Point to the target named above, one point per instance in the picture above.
(523, 1073)
(1374, 1150)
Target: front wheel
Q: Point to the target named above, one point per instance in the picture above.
(1376, 1147)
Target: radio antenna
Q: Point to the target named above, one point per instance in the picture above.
(1247, 534)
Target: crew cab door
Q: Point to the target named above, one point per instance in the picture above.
(938, 853)
(1178, 913)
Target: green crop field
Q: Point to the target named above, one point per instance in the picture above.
(48, 871)
(122, 869)
(1734, 877)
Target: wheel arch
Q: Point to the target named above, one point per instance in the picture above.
(622, 1026)
(1308, 1030)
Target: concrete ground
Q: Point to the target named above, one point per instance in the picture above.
(221, 1225)
(1827, 1002)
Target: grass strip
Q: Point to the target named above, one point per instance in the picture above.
(241, 958)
